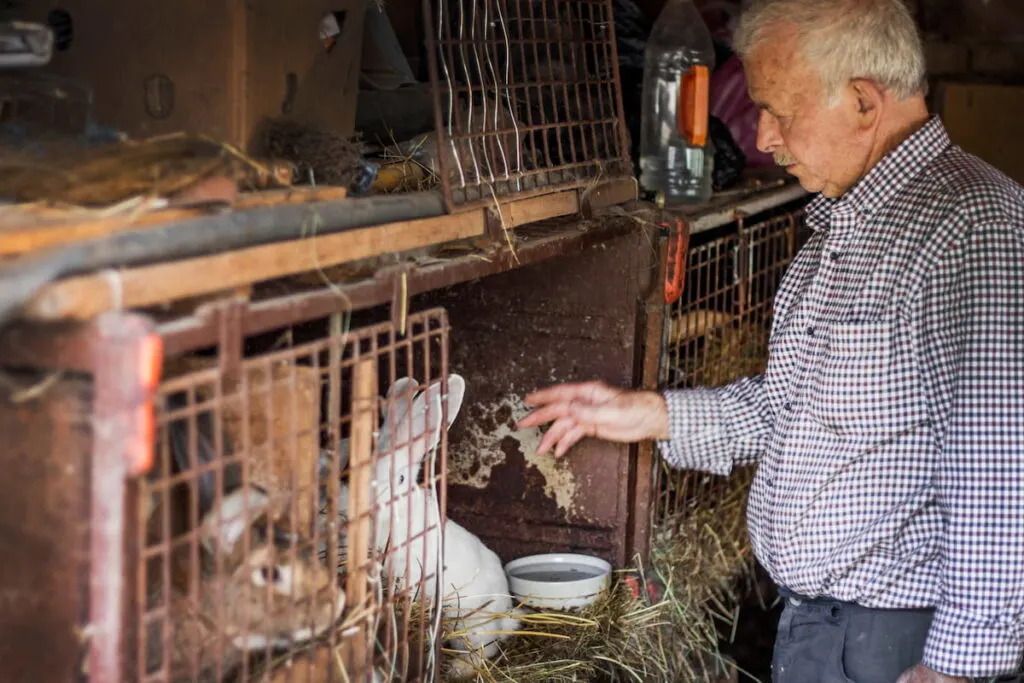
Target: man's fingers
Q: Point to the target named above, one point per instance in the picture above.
(573, 436)
(554, 435)
(567, 393)
(548, 413)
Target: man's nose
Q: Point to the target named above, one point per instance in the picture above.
(767, 132)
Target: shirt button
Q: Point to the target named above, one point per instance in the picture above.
(834, 255)
(810, 331)
(788, 406)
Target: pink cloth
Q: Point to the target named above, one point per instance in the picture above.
(730, 103)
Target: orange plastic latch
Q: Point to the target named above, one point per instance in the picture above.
(678, 243)
(694, 86)
(151, 358)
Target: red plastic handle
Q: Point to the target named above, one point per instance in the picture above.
(675, 268)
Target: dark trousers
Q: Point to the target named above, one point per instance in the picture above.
(827, 641)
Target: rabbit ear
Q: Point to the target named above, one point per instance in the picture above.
(456, 393)
(399, 397)
(206, 451)
(432, 419)
(229, 525)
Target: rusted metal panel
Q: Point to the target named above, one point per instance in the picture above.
(651, 333)
(574, 318)
(43, 502)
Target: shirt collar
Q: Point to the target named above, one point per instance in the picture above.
(887, 178)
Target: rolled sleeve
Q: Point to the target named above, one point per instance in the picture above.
(715, 429)
(697, 437)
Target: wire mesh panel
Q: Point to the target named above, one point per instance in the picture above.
(527, 97)
(287, 532)
(718, 331)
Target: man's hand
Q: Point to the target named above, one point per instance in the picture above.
(595, 409)
(922, 674)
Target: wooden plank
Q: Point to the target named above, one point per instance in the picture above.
(82, 298)
(32, 236)
(357, 649)
(607, 194)
(533, 209)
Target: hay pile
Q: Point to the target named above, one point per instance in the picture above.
(699, 557)
(101, 175)
(729, 353)
(321, 156)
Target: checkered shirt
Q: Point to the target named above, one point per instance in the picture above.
(889, 422)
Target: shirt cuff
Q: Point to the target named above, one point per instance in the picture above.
(697, 436)
(961, 645)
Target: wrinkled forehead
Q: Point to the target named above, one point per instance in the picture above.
(778, 76)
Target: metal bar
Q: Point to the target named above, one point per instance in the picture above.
(617, 92)
(752, 204)
(23, 277)
(125, 385)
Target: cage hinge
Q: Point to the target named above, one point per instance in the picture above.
(399, 276)
(229, 315)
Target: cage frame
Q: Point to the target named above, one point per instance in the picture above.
(451, 131)
(111, 347)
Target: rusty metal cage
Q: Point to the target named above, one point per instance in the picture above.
(718, 330)
(527, 97)
(279, 538)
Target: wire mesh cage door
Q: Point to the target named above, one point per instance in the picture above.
(718, 332)
(527, 97)
(285, 533)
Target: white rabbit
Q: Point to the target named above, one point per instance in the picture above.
(399, 400)
(474, 589)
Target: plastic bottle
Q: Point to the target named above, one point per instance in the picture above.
(676, 154)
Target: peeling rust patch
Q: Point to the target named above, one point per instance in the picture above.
(491, 435)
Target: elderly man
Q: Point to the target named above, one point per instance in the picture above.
(888, 427)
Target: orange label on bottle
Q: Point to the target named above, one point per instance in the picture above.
(693, 105)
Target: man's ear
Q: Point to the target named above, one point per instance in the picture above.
(867, 99)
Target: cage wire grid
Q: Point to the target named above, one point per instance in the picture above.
(527, 97)
(241, 558)
(718, 330)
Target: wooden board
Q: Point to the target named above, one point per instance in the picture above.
(227, 60)
(985, 120)
(84, 297)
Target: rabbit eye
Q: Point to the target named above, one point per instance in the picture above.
(265, 575)
(401, 479)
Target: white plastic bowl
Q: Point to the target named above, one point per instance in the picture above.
(558, 581)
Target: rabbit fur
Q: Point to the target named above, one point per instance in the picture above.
(271, 596)
(474, 589)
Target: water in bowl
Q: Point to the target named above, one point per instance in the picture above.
(556, 572)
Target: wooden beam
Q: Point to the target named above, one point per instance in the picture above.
(83, 297)
(30, 236)
(533, 209)
(357, 651)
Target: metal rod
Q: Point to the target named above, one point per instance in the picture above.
(23, 277)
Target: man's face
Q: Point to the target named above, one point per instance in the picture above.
(825, 148)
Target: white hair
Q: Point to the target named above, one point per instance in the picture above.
(876, 40)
